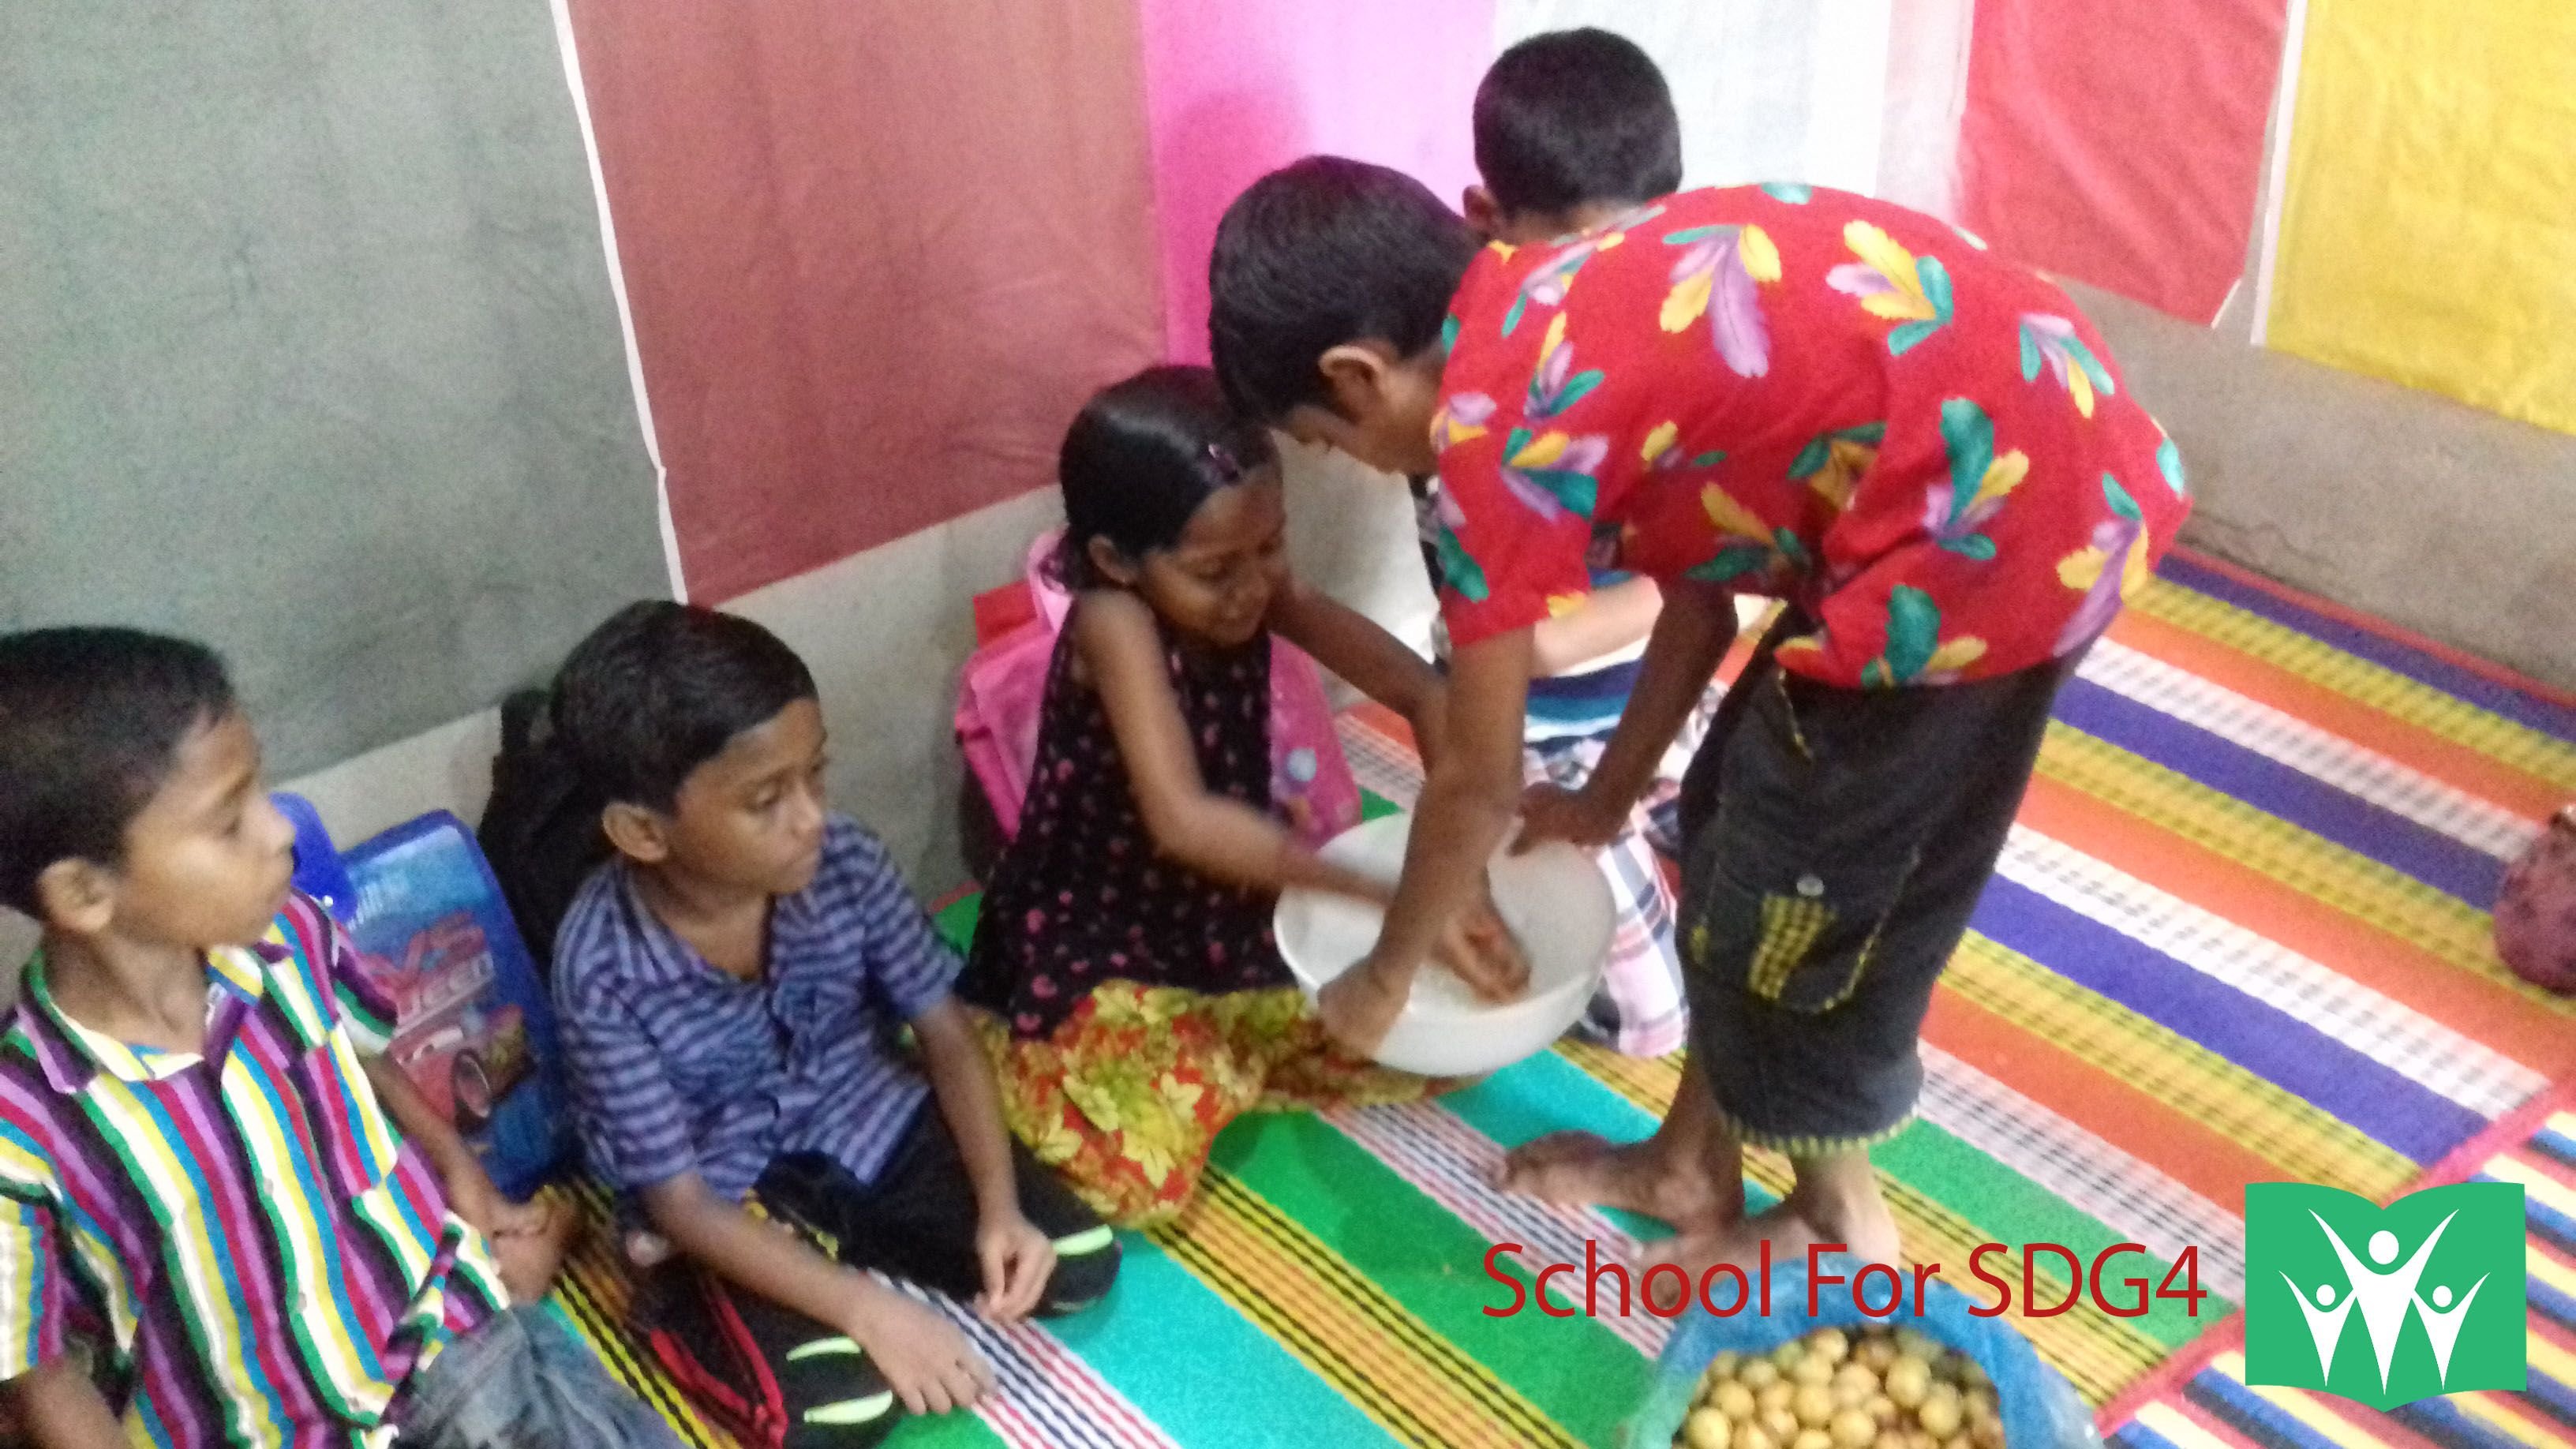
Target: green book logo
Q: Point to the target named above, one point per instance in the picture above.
(2385, 1305)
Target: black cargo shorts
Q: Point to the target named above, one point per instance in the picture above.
(1837, 842)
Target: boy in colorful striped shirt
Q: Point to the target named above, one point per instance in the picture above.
(220, 1223)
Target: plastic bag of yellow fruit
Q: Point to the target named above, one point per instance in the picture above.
(1825, 1374)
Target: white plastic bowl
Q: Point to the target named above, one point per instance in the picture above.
(1553, 899)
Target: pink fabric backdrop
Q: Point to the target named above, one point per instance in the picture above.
(2121, 143)
(1235, 88)
(877, 253)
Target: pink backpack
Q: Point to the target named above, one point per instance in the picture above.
(2535, 915)
(1000, 695)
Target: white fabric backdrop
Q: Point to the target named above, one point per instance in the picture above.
(1864, 95)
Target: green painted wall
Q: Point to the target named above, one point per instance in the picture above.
(307, 349)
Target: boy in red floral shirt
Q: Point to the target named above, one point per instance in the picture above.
(1920, 448)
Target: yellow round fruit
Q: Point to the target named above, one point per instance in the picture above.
(1812, 1439)
(1884, 1410)
(1982, 1406)
(1853, 1429)
(1854, 1385)
(1875, 1353)
(1918, 1344)
(1722, 1366)
(1775, 1395)
(1750, 1436)
(1814, 1405)
(1830, 1344)
(1811, 1371)
(1788, 1356)
(1735, 1401)
(1907, 1381)
(1757, 1373)
(1988, 1434)
(1780, 1424)
(1941, 1413)
(1971, 1375)
(1707, 1429)
(1959, 1441)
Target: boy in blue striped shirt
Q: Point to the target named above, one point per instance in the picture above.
(731, 985)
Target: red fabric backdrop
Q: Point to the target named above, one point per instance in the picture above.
(877, 255)
(2121, 143)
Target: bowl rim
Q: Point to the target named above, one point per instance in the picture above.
(1578, 984)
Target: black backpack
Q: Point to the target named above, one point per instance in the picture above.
(540, 830)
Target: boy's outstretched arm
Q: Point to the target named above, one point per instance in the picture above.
(1211, 833)
(1375, 662)
(62, 1409)
(1017, 1258)
(524, 1238)
(1469, 797)
(1610, 619)
(1690, 639)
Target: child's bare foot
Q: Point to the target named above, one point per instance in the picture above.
(1831, 1203)
(1360, 1006)
(1580, 1169)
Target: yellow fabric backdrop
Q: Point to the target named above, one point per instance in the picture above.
(2429, 232)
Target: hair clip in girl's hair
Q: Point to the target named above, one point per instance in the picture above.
(1226, 467)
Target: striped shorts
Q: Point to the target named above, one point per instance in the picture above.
(1640, 1009)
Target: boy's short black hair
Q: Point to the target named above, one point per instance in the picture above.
(91, 721)
(1323, 252)
(662, 688)
(1576, 117)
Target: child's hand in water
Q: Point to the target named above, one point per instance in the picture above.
(1359, 1006)
(1479, 949)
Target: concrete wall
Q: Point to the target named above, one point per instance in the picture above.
(2450, 521)
(1351, 533)
(2456, 523)
(2444, 519)
(885, 632)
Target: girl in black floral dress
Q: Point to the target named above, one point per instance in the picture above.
(1137, 999)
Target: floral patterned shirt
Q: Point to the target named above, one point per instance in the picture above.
(1807, 395)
